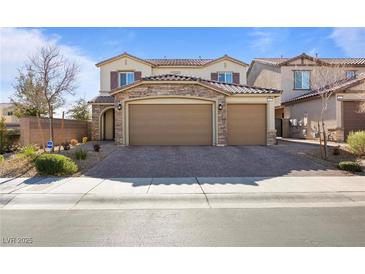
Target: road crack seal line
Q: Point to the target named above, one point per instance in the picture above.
(79, 200)
(148, 189)
(205, 195)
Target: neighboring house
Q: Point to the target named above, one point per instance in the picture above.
(181, 102)
(302, 105)
(7, 111)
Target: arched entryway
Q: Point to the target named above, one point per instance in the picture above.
(107, 124)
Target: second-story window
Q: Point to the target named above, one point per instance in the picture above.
(302, 79)
(126, 78)
(350, 74)
(225, 77)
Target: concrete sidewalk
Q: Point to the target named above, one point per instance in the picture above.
(308, 141)
(187, 192)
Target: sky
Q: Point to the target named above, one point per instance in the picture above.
(87, 46)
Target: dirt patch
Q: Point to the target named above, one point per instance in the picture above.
(312, 151)
(92, 157)
(17, 165)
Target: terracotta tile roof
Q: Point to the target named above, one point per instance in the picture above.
(345, 61)
(228, 88)
(335, 87)
(102, 99)
(333, 61)
(171, 62)
(179, 62)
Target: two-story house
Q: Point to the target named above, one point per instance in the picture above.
(302, 104)
(181, 102)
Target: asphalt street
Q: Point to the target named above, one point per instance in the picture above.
(185, 227)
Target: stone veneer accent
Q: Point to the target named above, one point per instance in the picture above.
(96, 111)
(171, 90)
(271, 137)
(152, 90)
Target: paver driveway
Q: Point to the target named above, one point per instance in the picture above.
(206, 161)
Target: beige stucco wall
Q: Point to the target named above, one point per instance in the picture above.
(263, 75)
(129, 64)
(205, 72)
(357, 89)
(287, 79)
(312, 109)
(333, 116)
(122, 64)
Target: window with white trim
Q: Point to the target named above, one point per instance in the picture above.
(126, 78)
(302, 79)
(350, 74)
(225, 77)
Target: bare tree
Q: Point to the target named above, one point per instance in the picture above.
(57, 77)
(324, 78)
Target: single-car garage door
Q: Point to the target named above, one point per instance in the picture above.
(164, 124)
(246, 124)
(353, 117)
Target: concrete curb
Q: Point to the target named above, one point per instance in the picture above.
(179, 201)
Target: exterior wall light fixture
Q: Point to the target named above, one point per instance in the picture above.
(119, 106)
(270, 99)
(339, 97)
(220, 106)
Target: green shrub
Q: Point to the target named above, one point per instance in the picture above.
(80, 154)
(3, 136)
(356, 142)
(29, 151)
(55, 164)
(2, 159)
(349, 166)
(84, 140)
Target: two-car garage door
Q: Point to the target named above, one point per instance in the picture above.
(193, 124)
(170, 124)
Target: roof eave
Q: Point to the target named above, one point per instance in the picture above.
(226, 57)
(334, 90)
(124, 54)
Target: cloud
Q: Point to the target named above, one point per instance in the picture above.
(261, 40)
(18, 44)
(313, 51)
(350, 40)
(122, 37)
